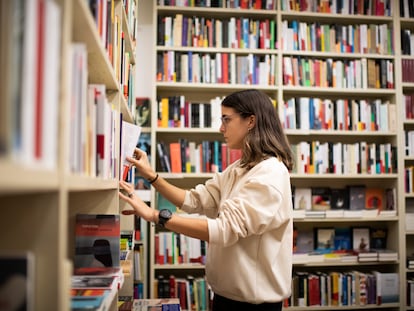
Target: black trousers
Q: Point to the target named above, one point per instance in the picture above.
(221, 303)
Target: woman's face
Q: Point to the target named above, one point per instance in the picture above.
(233, 127)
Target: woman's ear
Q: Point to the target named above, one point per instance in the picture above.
(252, 121)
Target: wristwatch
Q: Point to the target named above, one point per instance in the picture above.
(164, 216)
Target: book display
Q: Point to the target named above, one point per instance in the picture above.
(333, 72)
(71, 66)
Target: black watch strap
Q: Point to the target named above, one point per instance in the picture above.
(164, 216)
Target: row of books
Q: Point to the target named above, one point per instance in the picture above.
(410, 292)
(112, 35)
(347, 257)
(408, 99)
(193, 292)
(406, 8)
(359, 7)
(199, 31)
(409, 179)
(191, 157)
(175, 248)
(407, 42)
(179, 112)
(339, 158)
(336, 38)
(359, 73)
(230, 4)
(161, 304)
(409, 143)
(365, 242)
(222, 68)
(92, 122)
(98, 274)
(349, 288)
(354, 198)
(407, 67)
(309, 113)
(30, 115)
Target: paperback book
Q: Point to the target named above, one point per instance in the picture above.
(97, 242)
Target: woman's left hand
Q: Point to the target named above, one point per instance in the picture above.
(140, 208)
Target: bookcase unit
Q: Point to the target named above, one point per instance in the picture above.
(283, 86)
(406, 91)
(39, 202)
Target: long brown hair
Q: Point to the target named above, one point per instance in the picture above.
(267, 137)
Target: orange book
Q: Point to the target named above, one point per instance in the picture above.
(175, 156)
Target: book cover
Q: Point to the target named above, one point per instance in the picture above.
(357, 197)
(93, 282)
(130, 137)
(324, 239)
(142, 114)
(17, 277)
(97, 241)
(303, 198)
(304, 241)
(360, 239)
(387, 285)
(378, 238)
(339, 199)
(321, 199)
(374, 198)
(342, 240)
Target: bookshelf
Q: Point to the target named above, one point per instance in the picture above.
(288, 91)
(42, 191)
(407, 88)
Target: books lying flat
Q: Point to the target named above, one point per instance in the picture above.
(94, 282)
(162, 304)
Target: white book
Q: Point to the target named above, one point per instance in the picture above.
(51, 75)
(29, 59)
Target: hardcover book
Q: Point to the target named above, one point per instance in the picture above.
(142, 114)
(339, 199)
(378, 238)
(97, 241)
(357, 197)
(342, 240)
(321, 199)
(324, 238)
(303, 199)
(374, 198)
(360, 239)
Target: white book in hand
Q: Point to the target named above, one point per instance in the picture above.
(130, 137)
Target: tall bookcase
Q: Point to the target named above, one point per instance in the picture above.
(277, 57)
(40, 192)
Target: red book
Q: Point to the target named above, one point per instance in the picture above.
(39, 91)
(225, 67)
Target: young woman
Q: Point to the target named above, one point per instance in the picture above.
(248, 207)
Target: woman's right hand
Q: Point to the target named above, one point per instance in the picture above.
(141, 162)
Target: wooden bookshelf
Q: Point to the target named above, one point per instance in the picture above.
(400, 240)
(39, 203)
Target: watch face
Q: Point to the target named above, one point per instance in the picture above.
(165, 213)
(164, 216)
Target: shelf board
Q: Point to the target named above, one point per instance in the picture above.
(79, 183)
(16, 178)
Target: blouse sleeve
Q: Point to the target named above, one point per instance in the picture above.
(204, 199)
